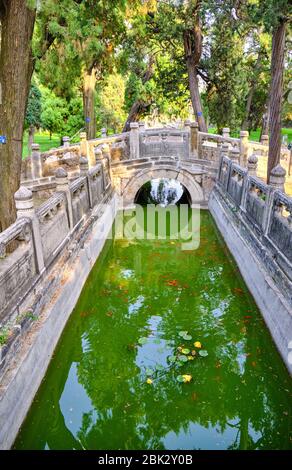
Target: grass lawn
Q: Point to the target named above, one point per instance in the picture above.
(255, 135)
(43, 139)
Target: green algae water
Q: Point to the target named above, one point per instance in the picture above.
(117, 378)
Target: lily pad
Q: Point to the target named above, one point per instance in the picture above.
(180, 379)
(187, 337)
(203, 353)
(182, 358)
(142, 340)
(182, 333)
(185, 351)
(172, 359)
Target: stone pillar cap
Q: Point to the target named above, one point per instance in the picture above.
(244, 134)
(83, 161)
(253, 158)
(97, 150)
(134, 125)
(226, 129)
(83, 135)
(35, 146)
(194, 124)
(278, 170)
(23, 194)
(61, 173)
(66, 138)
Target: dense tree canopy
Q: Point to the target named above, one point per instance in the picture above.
(101, 63)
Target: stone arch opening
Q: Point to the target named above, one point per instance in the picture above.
(187, 179)
(164, 192)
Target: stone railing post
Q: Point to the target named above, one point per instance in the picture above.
(243, 147)
(225, 149)
(252, 164)
(134, 141)
(83, 163)
(98, 155)
(245, 186)
(226, 132)
(36, 162)
(265, 139)
(187, 125)
(278, 178)
(106, 159)
(234, 155)
(194, 140)
(85, 150)
(104, 132)
(66, 141)
(63, 187)
(141, 126)
(25, 208)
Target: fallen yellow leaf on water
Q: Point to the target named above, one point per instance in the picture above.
(191, 358)
(187, 378)
(149, 381)
(197, 344)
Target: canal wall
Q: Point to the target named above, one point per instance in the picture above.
(55, 248)
(255, 220)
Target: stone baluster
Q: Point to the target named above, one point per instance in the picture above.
(134, 141)
(106, 165)
(234, 155)
(278, 178)
(63, 187)
(66, 141)
(243, 147)
(225, 149)
(86, 151)
(83, 163)
(104, 132)
(36, 162)
(25, 208)
(98, 155)
(226, 132)
(187, 125)
(252, 164)
(194, 140)
(265, 139)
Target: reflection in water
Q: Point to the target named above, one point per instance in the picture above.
(95, 394)
(162, 191)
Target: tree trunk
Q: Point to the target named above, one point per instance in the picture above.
(139, 107)
(16, 67)
(89, 82)
(193, 51)
(31, 132)
(277, 68)
(137, 110)
(266, 120)
(246, 124)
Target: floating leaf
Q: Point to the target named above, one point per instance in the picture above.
(180, 378)
(191, 358)
(187, 337)
(159, 367)
(197, 344)
(149, 381)
(182, 358)
(180, 363)
(182, 333)
(203, 353)
(142, 340)
(172, 358)
(149, 371)
(185, 351)
(193, 352)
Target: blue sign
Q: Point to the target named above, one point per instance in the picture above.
(3, 139)
(87, 119)
(200, 113)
